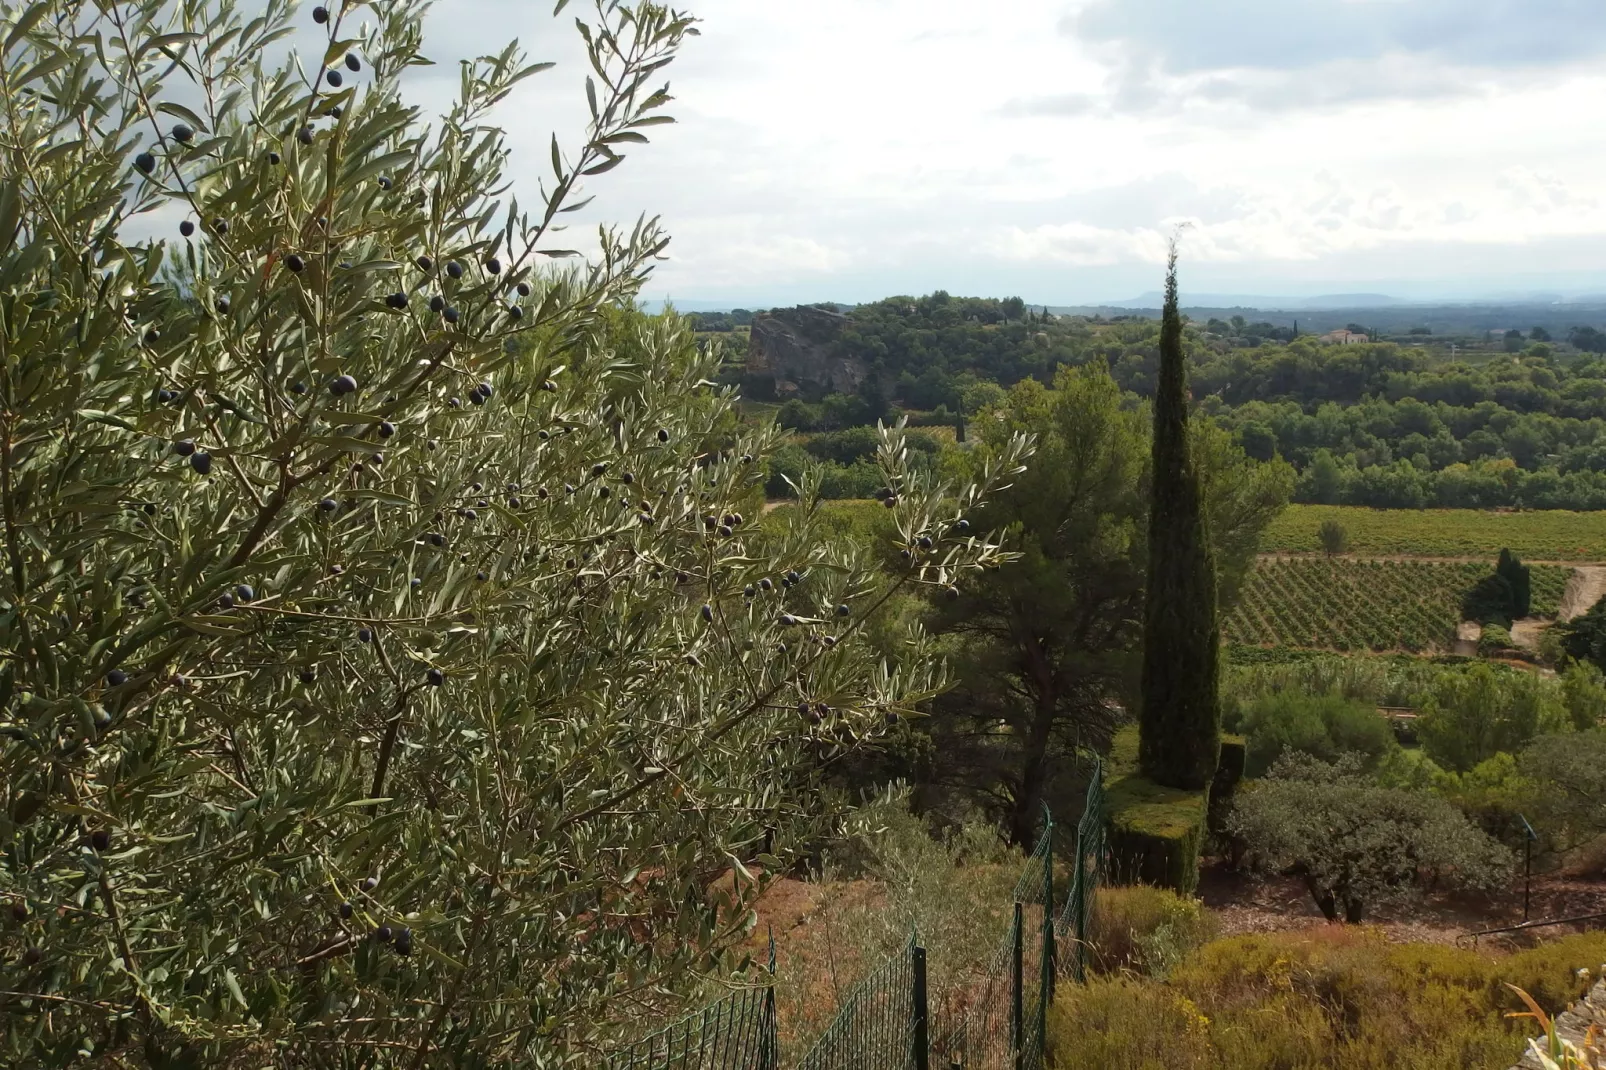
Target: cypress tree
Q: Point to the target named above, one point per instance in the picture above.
(1511, 569)
(1180, 725)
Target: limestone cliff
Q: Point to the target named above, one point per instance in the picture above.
(797, 349)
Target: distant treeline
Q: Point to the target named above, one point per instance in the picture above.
(1376, 424)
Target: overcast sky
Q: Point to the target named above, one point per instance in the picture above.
(851, 149)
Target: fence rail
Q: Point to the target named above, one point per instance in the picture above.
(886, 1022)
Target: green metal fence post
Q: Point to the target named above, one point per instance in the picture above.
(1017, 1006)
(922, 1040)
(1050, 951)
(769, 1056)
(1078, 959)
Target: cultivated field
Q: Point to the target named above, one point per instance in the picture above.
(1547, 535)
(1347, 604)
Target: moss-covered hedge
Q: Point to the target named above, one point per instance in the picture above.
(1229, 771)
(1155, 833)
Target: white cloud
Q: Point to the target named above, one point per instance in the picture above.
(848, 149)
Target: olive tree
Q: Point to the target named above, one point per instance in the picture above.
(1357, 845)
(389, 668)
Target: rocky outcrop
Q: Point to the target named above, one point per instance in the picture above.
(797, 349)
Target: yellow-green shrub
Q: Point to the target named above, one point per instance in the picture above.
(1336, 996)
(1145, 929)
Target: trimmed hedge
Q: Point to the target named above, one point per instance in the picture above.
(1156, 832)
(1229, 771)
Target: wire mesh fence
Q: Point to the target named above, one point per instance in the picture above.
(886, 1022)
(1087, 871)
(876, 1027)
(735, 1033)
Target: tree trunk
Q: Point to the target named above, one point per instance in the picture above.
(1353, 911)
(1326, 902)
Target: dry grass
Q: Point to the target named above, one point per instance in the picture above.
(893, 878)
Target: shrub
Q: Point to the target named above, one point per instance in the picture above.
(1583, 693)
(1144, 929)
(1356, 845)
(1473, 715)
(1492, 793)
(1333, 536)
(1321, 725)
(1339, 998)
(1568, 773)
(1584, 637)
(1494, 639)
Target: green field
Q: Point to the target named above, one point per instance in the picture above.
(1346, 604)
(1546, 535)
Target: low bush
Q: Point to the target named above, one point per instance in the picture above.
(1494, 639)
(1323, 725)
(1357, 845)
(1339, 997)
(1145, 930)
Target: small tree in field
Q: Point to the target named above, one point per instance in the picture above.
(1334, 537)
(390, 668)
(1357, 845)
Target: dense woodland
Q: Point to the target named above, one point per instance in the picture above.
(1387, 424)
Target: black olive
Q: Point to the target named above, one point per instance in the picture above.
(186, 228)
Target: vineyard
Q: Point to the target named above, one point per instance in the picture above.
(1346, 604)
(1548, 535)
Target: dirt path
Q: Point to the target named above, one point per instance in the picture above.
(1525, 633)
(1584, 589)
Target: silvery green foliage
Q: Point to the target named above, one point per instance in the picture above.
(1357, 845)
(378, 721)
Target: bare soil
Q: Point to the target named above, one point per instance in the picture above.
(1250, 904)
(1584, 589)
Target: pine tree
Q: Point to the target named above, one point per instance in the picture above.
(1180, 727)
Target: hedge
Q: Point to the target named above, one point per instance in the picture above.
(1156, 832)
